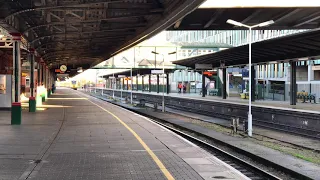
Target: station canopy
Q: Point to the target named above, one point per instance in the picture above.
(214, 17)
(83, 33)
(305, 45)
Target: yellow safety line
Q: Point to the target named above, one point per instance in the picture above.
(145, 146)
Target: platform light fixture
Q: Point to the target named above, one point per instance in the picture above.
(79, 70)
(267, 23)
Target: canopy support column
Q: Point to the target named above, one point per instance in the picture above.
(224, 85)
(16, 81)
(293, 83)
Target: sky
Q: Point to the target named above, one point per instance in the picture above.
(90, 74)
(260, 3)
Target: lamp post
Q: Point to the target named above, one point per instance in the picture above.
(163, 106)
(113, 85)
(95, 89)
(131, 85)
(250, 73)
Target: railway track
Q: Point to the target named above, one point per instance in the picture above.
(246, 168)
(242, 163)
(298, 123)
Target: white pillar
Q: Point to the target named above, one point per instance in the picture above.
(16, 78)
(131, 86)
(250, 74)
(310, 72)
(113, 84)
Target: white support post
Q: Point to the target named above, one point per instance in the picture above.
(250, 83)
(113, 86)
(121, 89)
(16, 79)
(131, 86)
(163, 105)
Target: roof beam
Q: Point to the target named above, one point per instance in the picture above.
(80, 5)
(74, 22)
(214, 17)
(305, 44)
(78, 37)
(287, 15)
(69, 54)
(177, 24)
(77, 47)
(307, 21)
(255, 13)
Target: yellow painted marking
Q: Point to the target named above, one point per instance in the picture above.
(145, 146)
(66, 98)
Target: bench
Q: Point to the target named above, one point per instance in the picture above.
(305, 96)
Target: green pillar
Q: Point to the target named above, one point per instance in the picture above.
(158, 84)
(32, 104)
(16, 104)
(137, 84)
(43, 96)
(32, 99)
(31, 56)
(16, 113)
(149, 83)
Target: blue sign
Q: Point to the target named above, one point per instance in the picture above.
(245, 73)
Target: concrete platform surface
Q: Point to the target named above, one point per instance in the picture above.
(303, 167)
(297, 140)
(79, 137)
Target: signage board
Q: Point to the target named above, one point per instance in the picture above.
(121, 76)
(203, 66)
(315, 68)
(156, 71)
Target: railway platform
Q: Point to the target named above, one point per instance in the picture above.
(75, 136)
(297, 121)
(301, 107)
(273, 153)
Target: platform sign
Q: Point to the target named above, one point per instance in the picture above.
(157, 72)
(203, 66)
(121, 76)
(315, 68)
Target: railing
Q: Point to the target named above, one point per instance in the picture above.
(230, 37)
